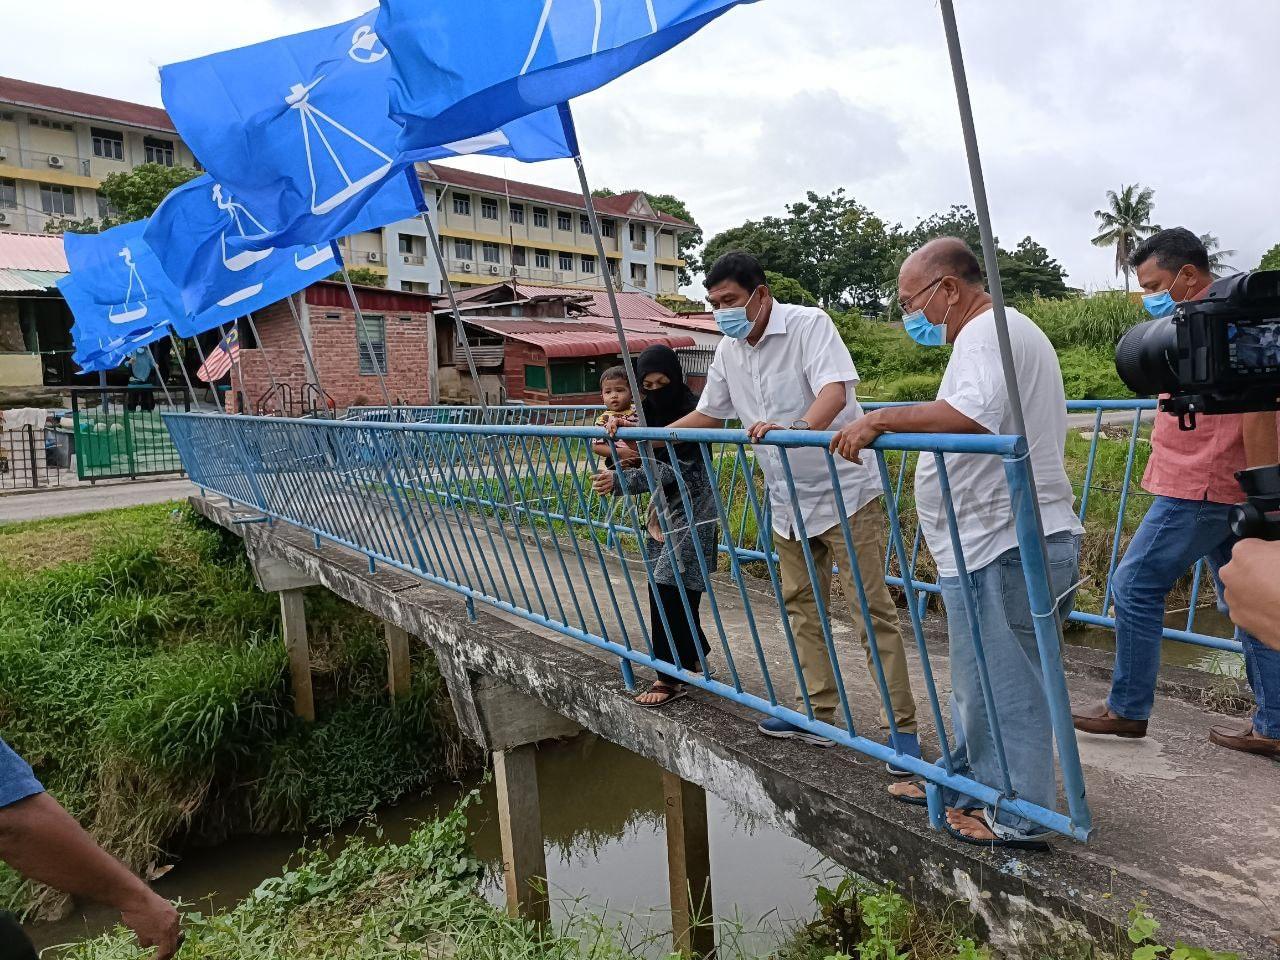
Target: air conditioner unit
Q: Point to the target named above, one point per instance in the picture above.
(4, 153)
(467, 267)
(4, 218)
(494, 270)
(55, 162)
(373, 256)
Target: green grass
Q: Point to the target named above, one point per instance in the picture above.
(142, 675)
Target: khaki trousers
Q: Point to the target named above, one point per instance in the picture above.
(867, 530)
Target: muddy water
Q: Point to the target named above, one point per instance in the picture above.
(1208, 620)
(602, 819)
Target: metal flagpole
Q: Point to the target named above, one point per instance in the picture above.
(368, 343)
(220, 408)
(1055, 679)
(182, 365)
(306, 350)
(461, 331)
(160, 379)
(266, 359)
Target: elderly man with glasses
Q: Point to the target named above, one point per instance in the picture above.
(944, 300)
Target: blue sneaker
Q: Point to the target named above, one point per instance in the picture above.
(781, 730)
(908, 744)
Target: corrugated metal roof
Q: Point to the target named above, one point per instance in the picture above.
(32, 251)
(19, 281)
(631, 306)
(692, 321)
(578, 338)
(89, 105)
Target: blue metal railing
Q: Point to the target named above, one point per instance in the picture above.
(504, 515)
(748, 542)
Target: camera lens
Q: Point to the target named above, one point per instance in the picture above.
(1145, 357)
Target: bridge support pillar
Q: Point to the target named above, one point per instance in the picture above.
(524, 859)
(293, 616)
(398, 676)
(693, 929)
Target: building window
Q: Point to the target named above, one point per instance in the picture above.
(542, 259)
(488, 208)
(462, 204)
(106, 211)
(50, 124)
(108, 144)
(584, 223)
(405, 242)
(517, 213)
(608, 228)
(518, 256)
(8, 194)
(535, 378)
(157, 151)
(638, 233)
(639, 274)
(7, 116)
(564, 221)
(588, 264)
(540, 217)
(566, 261)
(371, 343)
(57, 199)
(491, 253)
(579, 376)
(462, 250)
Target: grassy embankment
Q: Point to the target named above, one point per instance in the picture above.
(142, 675)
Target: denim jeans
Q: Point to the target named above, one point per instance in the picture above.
(1172, 536)
(1003, 611)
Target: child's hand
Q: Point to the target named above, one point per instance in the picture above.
(627, 455)
(602, 482)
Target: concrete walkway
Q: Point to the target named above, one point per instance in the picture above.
(83, 498)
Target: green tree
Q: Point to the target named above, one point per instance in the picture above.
(1271, 259)
(1125, 222)
(672, 206)
(959, 221)
(765, 239)
(1218, 264)
(130, 196)
(1029, 271)
(787, 290)
(361, 277)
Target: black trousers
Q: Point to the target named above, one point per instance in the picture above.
(689, 638)
(14, 944)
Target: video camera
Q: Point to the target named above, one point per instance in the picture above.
(1219, 354)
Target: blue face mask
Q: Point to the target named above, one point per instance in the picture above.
(921, 330)
(733, 321)
(1159, 304)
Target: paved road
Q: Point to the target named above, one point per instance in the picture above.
(90, 499)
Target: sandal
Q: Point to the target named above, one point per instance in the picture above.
(898, 792)
(1039, 846)
(666, 692)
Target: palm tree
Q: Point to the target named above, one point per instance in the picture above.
(1218, 265)
(1126, 223)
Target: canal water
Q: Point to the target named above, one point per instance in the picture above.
(606, 853)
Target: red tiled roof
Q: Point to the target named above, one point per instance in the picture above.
(631, 306)
(614, 206)
(88, 105)
(578, 338)
(32, 251)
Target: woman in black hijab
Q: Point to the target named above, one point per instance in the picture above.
(677, 635)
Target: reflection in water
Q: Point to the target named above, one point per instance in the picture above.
(1207, 620)
(606, 851)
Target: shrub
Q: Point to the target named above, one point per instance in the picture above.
(1089, 373)
(915, 387)
(1096, 321)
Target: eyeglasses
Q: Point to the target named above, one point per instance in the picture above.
(904, 303)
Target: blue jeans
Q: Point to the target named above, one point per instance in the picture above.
(1003, 611)
(1172, 536)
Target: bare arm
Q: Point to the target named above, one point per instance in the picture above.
(44, 843)
(1261, 448)
(697, 421)
(935, 417)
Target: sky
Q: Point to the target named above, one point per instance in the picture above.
(780, 97)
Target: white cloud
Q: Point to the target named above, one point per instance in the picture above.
(782, 96)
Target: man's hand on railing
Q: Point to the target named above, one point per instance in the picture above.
(757, 431)
(602, 482)
(852, 438)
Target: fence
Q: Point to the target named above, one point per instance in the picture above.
(26, 462)
(1110, 502)
(504, 515)
(119, 431)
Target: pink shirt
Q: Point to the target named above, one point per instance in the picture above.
(1197, 464)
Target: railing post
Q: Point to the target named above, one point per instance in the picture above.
(693, 931)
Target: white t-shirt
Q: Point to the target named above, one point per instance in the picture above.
(777, 380)
(974, 385)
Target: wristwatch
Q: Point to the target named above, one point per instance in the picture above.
(799, 425)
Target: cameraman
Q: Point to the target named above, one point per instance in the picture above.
(1253, 589)
(1192, 475)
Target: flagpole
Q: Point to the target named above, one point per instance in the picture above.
(266, 359)
(461, 330)
(361, 329)
(160, 378)
(306, 350)
(182, 365)
(235, 369)
(220, 408)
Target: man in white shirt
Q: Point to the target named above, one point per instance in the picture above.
(943, 299)
(782, 366)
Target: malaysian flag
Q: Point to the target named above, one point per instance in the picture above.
(220, 360)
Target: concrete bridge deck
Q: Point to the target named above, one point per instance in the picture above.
(1186, 827)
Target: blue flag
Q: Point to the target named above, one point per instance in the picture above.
(191, 233)
(468, 66)
(297, 130)
(117, 291)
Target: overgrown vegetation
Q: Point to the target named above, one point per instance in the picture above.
(142, 675)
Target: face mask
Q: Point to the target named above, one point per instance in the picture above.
(921, 330)
(1161, 304)
(733, 321)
